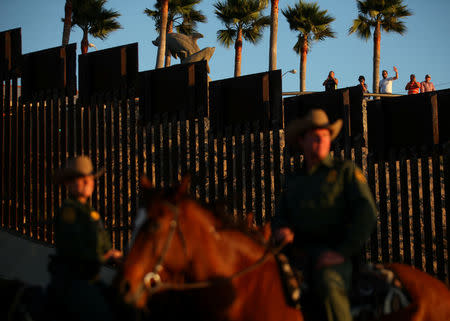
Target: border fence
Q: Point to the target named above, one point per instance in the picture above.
(241, 163)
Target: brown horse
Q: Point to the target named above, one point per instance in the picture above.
(184, 252)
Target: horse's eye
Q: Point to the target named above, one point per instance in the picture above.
(153, 226)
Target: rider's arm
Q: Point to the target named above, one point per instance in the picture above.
(361, 212)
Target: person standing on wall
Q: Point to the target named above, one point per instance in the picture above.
(413, 86)
(427, 85)
(331, 82)
(386, 83)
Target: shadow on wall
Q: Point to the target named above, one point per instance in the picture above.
(26, 260)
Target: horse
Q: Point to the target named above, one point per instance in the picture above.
(184, 253)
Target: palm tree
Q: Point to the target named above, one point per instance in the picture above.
(273, 34)
(162, 33)
(67, 22)
(312, 24)
(181, 15)
(243, 19)
(94, 20)
(379, 15)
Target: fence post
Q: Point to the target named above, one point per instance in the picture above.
(447, 200)
(347, 126)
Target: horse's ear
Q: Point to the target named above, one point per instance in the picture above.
(183, 188)
(145, 182)
(267, 231)
(249, 220)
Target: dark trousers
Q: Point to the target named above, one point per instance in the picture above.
(328, 287)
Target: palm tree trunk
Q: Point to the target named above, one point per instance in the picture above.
(376, 57)
(162, 34)
(84, 43)
(273, 34)
(238, 54)
(168, 57)
(67, 22)
(303, 57)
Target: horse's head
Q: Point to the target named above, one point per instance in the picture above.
(174, 227)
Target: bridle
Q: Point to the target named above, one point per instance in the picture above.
(152, 282)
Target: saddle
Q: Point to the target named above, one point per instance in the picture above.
(375, 290)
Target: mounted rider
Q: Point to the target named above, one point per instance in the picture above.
(326, 211)
(82, 246)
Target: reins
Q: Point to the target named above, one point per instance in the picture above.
(153, 284)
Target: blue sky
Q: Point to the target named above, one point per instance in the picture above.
(424, 49)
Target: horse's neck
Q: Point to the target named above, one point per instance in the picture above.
(229, 253)
(260, 284)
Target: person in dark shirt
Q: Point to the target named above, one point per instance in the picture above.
(82, 246)
(326, 211)
(331, 82)
(362, 84)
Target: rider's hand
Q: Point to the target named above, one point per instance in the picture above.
(284, 235)
(113, 255)
(329, 258)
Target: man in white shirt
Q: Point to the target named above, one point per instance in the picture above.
(386, 83)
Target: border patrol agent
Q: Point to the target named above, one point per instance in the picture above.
(327, 211)
(82, 246)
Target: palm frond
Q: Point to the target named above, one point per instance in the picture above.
(245, 15)
(308, 20)
(386, 12)
(93, 17)
(182, 14)
(226, 36)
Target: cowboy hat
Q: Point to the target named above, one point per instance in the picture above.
(79, 166)
(315, 118)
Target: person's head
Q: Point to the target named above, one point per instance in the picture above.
(81, 187)
(315, 143)
(78, 177)
(384, 73)
(313, 134)
(331, 74)
(361, 79)
(427, 78)
(412, 77)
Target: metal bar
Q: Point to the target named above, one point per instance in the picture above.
(427, 220)
(166, 156)
(267, 155)
(201, 158)
(438, 222)
(13, 157)
(406, 220)
(416, 212)
(133, 161)
(6, 153)
(393, 193)
(240, 167)
(49, 149)
(230, 168)
(117, 214)
(125, 192)
(102, 161)
(258, 176)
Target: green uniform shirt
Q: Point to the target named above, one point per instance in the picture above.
(329, 208)
(79, 233)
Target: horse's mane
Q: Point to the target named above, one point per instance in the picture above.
(217, 208)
